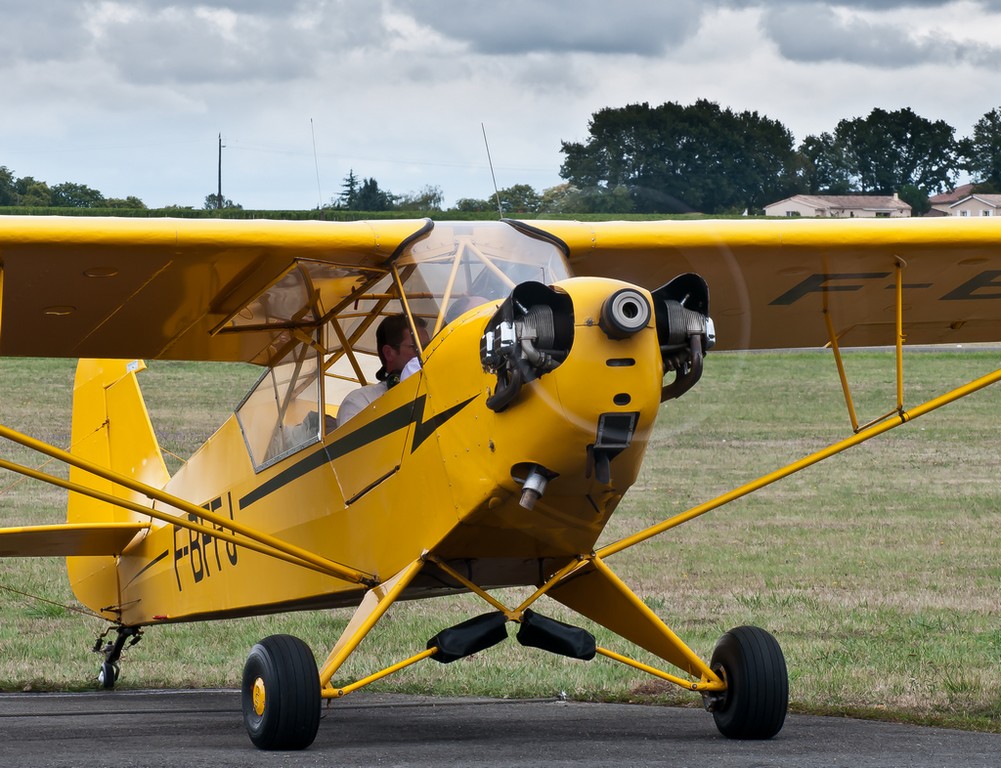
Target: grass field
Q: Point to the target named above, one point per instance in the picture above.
(879, 570)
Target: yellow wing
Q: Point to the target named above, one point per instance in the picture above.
(178, 289)
(235, 290)
(770, 281)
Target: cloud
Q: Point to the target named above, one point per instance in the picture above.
(196, 42)
(41, 32)
(822, 32)
(869, 32)
(197, 45)
(861, 5)
(560, 26)
(225, 41)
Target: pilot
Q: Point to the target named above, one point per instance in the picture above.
(396, 350)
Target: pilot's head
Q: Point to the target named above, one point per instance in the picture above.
(396, 344)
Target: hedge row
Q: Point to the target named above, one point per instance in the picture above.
(325, 214)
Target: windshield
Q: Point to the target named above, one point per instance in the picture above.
(460, 266)
(452, 269)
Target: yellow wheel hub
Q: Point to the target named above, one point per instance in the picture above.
(259, 696)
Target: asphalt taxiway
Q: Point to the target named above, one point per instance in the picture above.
(191, 729)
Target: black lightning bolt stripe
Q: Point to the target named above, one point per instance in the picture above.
(149, 565)
(381, 427)
(425, 429)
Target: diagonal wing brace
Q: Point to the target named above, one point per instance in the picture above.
(240, 534)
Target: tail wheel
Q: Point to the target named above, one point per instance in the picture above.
(757, 684)
(281, 694)
(108, 675)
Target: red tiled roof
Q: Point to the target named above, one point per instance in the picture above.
(950, 197)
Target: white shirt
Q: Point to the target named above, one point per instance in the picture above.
(413, 365)
(358, 400)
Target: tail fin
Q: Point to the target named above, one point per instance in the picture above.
(111, 428)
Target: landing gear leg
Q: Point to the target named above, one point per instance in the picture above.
(112, 652)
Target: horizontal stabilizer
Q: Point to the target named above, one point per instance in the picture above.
(69, 540)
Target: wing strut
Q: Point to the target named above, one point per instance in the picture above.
(248, 537)
(859, 437)
(899, 344)
(375, 603)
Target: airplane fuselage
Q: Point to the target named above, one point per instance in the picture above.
(429, 467)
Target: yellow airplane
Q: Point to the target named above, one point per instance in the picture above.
(498, 463)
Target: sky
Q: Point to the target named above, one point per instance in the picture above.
(129, 98)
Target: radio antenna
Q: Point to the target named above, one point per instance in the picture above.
(500, 211)
(316, 163)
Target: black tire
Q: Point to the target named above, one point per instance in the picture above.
(757, 694)
(108, 675)
(281, 694)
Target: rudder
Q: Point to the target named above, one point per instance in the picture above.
(111, 428)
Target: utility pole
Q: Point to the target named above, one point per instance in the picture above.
(218, 199)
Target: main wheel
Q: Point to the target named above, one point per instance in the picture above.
(281, 694)
(757, 684)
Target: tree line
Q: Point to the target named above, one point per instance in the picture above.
(702, 157)
(677, 158)
(28, 192)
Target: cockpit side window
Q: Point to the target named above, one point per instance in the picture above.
(283, 413)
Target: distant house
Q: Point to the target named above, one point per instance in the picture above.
(940, 204)
(976, 205)
(840, 206)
